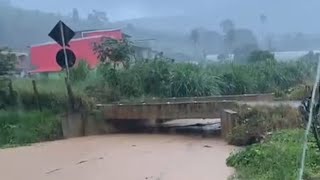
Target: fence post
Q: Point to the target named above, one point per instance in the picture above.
(13, 96)
(36, 94)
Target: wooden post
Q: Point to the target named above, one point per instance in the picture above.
(70, 95)
(36, 94)
(13, 97)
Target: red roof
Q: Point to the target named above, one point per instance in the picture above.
(114, 34)
(43, 56)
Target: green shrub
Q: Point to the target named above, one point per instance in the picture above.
(20, 127)
(261, 56)
(277, 158)
(254, 123)
(299, 92)
(52, 95)
(80, 72)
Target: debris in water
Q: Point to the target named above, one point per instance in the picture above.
(55, 170)
(81, 162)
(207, 146)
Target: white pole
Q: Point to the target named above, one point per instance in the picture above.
(64, 49)
(310, 119)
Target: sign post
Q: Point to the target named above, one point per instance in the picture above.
(64, 48)
(62, 34)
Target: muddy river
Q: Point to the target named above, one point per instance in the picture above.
(119, 157)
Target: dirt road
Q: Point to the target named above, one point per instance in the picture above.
(119, 157)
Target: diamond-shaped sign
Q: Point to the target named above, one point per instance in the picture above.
(56, 33)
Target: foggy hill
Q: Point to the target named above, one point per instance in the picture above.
(282, 16)
(289, 26)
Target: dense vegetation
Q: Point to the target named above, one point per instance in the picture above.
(159, 77)
(19, 127)
(277, 158)
(163, 78)
(29, 116)
(254, 124)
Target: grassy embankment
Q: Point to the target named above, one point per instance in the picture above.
(28, 118)
(19, 128)
(278, 133)
(148, 79)
(277, 158)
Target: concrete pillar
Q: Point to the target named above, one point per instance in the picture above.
(73, 125)
(228, 122)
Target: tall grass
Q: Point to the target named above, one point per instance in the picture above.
(276, 159)
(253, 124)
(160, 78)
(20, 127)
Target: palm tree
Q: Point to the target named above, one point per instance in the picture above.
(227, 25)
(195, 38)
(228, 28)
(263, 20)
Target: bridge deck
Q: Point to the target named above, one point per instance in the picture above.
(167, 111)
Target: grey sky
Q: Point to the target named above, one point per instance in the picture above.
(286, 15)
(127, 9)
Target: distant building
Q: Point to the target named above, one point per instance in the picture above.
(144, 52)
(291, 55)
(43, 56)
(23, 62)
(280, 55)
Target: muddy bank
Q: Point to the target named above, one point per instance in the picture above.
(119, 157)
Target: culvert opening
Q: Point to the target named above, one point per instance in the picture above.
(204, 127)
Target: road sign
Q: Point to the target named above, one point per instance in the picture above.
(60, 58)
(67, 34)
(62, 34)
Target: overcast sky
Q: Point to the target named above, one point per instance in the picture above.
(295, 15)
(127, 9)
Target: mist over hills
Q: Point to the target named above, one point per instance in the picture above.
(290, 24)
(283, 16)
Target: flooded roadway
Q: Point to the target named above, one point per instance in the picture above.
(119, 157)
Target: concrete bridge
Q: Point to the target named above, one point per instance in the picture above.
(155, 112)
(161, 110)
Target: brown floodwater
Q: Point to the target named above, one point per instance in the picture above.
(119, 157)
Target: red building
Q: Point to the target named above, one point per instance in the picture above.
(43, 56)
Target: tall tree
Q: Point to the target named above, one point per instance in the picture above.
(7, 62)
(195, 36)
(114, 51)
(227, 25)
(263, 20)
(98, 18)
(75, 15)
(211, 41)
(228, 28)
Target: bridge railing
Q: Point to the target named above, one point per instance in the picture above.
(243, 97)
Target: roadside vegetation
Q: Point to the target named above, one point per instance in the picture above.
(120, 79)
(277, 158)
(21, 127)
(32, 108)
(164, 78)
(254, 124)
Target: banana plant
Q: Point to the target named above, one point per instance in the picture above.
(305, 111)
